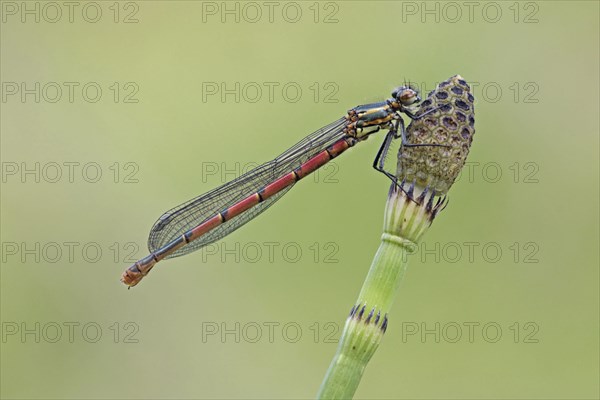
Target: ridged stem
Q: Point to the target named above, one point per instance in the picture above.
(404, 223)
(366, 324)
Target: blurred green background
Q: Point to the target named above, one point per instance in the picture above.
(502, 302)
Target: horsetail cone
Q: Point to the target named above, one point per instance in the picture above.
(445, 118)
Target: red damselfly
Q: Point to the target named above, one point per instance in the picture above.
(215, 214)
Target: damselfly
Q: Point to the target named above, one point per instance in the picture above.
(215, 214)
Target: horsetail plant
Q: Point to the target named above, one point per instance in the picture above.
(446, 121)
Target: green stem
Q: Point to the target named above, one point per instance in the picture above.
(405, 221)
(386, 272)
(360, 338)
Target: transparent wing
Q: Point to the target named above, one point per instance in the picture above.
(186, 216)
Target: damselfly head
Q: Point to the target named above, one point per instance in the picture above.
(406, 95)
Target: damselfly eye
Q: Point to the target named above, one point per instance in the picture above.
(406, 95)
